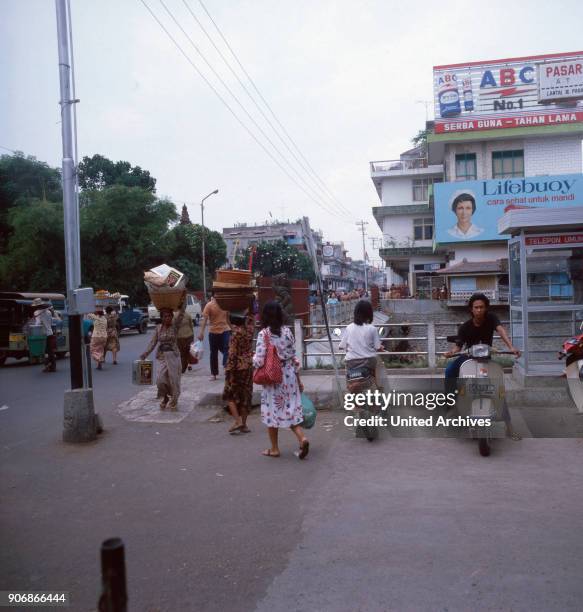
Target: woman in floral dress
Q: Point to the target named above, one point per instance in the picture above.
(112, 343)
(168, 356)
(281, 404)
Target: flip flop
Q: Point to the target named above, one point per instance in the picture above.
(235, 429)
(245, 429)
(267, 453)
(304, 450)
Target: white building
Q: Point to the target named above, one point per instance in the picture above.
(405, 217)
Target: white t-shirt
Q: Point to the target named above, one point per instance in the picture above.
(360, 341)
(43, 317)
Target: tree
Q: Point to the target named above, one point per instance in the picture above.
(35, 257)
(124, 232)
(185, 252)
(277, 258)
(98, 172)
(22, 178)
(420, 140)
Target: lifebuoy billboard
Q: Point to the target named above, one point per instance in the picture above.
(509, 93)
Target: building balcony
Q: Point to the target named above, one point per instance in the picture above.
(379, 212)
(403, 167)
(394, 251)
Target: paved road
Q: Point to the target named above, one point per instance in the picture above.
(209, 524)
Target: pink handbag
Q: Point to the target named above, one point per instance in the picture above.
(270, 373)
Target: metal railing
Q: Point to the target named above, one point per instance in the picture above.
(398, 165)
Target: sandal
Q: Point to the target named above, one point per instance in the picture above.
(235, 429)
(245, 429)
(269, 453)
(163, 404)
(304, 450)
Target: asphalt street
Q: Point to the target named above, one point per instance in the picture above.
(210, 524)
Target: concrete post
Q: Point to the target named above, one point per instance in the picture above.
(299, 336)
(80, 423)
(431, 356)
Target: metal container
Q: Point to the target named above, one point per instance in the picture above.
(143, 372)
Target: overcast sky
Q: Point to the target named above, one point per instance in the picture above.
(344, 77)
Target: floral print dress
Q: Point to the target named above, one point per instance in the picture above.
(281, 405)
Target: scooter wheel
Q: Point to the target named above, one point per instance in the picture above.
(484, 447)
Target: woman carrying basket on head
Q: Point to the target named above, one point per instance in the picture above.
(168, 356)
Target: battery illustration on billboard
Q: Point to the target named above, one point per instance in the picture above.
(468, 94)
(468, 211)
(448, 95)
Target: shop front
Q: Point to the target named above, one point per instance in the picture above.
(545, 254)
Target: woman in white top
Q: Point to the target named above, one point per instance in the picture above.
(361, 339)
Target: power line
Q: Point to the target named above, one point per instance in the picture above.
(245, 127)
(305, 168)
(315, 174)
(226, 86)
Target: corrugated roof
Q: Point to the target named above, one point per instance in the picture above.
(476, 267)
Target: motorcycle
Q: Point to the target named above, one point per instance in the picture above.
(572, 351)
(481, 394)
(359, 379)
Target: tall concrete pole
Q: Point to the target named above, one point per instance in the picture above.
(203, 249)
(70, 205)
(80, 420)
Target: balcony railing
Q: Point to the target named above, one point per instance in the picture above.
(398, 165)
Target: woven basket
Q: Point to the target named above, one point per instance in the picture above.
(168, 299)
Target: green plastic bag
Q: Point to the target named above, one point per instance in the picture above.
(309, 411)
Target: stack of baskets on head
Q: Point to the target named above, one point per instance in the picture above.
(166, 286)
(234, 289)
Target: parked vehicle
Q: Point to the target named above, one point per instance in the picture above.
(572, 351)
(129, 317)
(15, 318)
(193, 308)
(484, 396)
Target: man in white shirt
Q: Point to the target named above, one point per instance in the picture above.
(43, 316)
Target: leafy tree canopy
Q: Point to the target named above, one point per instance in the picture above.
(98, 172)
(277, 258)
(185, 248)
(22, 178)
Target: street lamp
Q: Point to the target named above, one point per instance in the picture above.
(203, 257)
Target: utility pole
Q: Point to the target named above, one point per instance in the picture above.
(203, 253)
(362, 225)
(80, 422)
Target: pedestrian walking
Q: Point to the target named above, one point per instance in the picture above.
(281, 404)
(98, 337)
(185, 338)
(238, 390)
(112, 343)
(168, 356)
(219, 334)
(43, 316)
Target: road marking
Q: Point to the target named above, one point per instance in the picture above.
(5, 407)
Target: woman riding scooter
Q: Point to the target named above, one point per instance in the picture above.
(478, 330)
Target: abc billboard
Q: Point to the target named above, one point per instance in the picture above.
(509, 93)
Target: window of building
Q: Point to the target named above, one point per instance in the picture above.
(423, 188)
(465, 167)
(507, 164)
(423, 229)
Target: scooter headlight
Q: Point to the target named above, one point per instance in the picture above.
(480, 351)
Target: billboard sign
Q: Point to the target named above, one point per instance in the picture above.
(509, 93)
(468, 211)
(560, 80)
